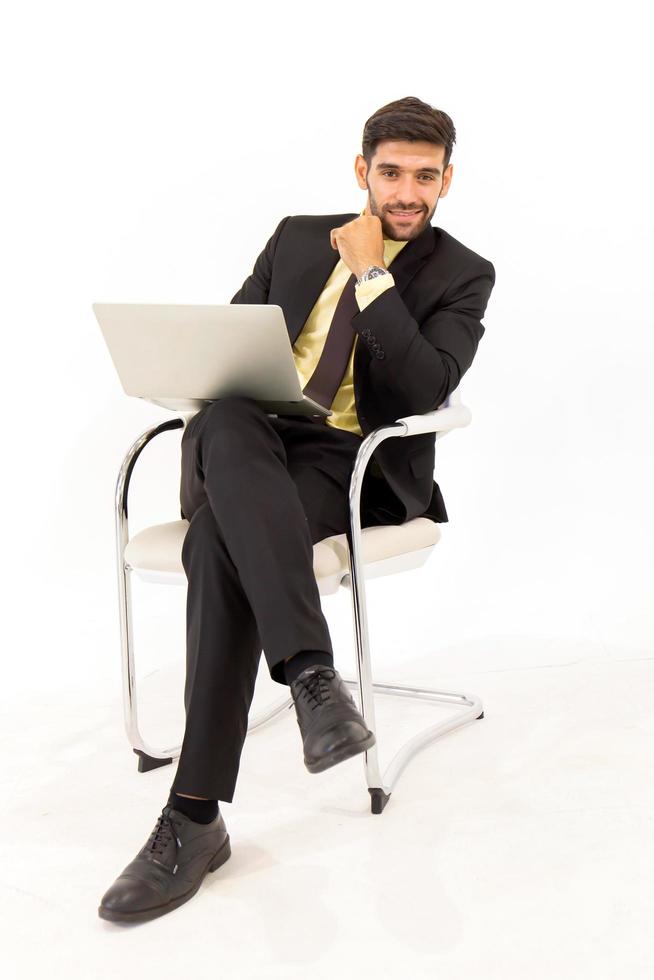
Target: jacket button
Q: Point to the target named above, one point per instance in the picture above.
(380, 354)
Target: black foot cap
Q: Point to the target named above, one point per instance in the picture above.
(480, 716)
(148, 762)
(378, 799)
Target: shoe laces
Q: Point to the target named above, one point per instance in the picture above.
(163, 835)
(316, 687)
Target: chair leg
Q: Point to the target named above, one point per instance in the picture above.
(472, 711)
(267, 714)
(380, 785)
(148, 762)
(148, 757)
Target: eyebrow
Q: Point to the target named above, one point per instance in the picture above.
(394, 166)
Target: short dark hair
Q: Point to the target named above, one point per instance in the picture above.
(408, 119)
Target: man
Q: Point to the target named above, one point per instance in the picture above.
(383, 312)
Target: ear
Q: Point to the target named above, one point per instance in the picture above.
(447, 180)
(361, 171)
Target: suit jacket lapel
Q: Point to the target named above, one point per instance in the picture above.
(414, 255)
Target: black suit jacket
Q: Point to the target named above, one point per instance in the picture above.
(415, 341)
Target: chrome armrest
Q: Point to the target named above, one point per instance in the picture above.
(441, 421)
(451, 416)
(129, 462)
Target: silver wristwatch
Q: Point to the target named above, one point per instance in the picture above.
(371, 273)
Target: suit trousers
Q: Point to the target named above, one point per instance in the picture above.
(258, 491)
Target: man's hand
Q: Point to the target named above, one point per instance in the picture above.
(360, 243)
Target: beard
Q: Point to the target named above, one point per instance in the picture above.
(399, 232)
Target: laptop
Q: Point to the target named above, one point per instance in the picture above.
(184, 356)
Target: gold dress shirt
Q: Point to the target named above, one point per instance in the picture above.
(311, 339)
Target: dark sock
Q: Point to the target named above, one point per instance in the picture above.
(201, 811)
(306, 658)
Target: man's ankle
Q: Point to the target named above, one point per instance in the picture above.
(294, 666)
(196, 808)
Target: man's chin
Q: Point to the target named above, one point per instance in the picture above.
(403, 231)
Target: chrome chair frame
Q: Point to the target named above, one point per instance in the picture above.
(380, 783)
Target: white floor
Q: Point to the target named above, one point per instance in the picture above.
(518, 847)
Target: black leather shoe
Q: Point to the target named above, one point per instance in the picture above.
(169, 868)
(331, 725)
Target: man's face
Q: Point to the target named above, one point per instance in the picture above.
(404, 176)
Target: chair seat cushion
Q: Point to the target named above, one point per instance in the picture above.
(155, 552)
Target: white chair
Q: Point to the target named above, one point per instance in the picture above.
(155, 555)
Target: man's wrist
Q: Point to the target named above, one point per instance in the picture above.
(363, 268)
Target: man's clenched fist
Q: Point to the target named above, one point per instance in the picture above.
(360, 243)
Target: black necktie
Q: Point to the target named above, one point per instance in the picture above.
(325, 380)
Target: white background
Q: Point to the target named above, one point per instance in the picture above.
(150, 150)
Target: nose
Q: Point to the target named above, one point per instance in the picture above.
(407, 193)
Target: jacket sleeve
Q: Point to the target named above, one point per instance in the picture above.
(423, 364)
(256, 286)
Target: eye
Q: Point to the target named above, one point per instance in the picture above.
(385, 173)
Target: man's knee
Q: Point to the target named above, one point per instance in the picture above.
(230, 425)
(232, 408)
